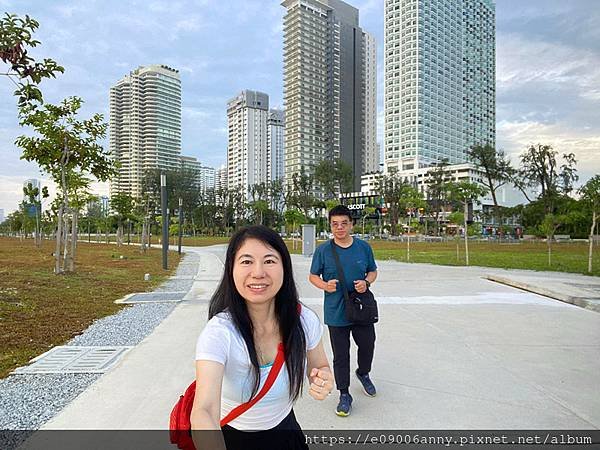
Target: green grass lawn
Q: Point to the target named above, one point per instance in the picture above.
(39, 310)
(566, 257)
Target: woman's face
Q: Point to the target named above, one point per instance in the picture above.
(257, 272)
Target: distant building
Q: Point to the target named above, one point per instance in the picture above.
(104, 204)
(439, 80)
(221, 178)
(328, 86)
(192, 165)
(507, 195)
(145, 125)
(371, 152)
(207, 178)
(275, 144)
(247, 140)
(1, 215)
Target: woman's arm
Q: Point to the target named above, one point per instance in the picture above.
(319, 372)
(206, 411)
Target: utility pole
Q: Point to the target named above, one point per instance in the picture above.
(180, 224)
(165, 220)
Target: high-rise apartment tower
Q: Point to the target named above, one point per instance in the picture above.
(371, 153)
(324, 86)
(275, 144)
(145, 125)
(439, 80)
(247, 140)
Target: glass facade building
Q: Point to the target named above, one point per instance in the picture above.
(439, 81)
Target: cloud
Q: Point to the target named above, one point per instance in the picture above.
(515, 137)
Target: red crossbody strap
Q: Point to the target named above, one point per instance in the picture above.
(275, 369)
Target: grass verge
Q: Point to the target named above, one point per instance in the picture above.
(566, 257)
(39, 310)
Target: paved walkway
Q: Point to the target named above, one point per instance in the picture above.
(454, 350)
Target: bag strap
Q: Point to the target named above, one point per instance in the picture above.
(275, 369)
(340, 270)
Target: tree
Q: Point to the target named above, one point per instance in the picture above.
(123, 206)
(465, 192)
(334, 177)
(300, 193)
(16, 35)
(409, 200)
(64, 146)
(496, 168)
(590, 195)
(437, 192)
(388, 187)
(293, 217)
(549, 226)
(540, 171)
(34, 197)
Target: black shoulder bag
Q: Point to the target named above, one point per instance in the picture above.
(360, 308)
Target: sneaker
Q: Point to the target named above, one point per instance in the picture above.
(367, 384)
(344, 406)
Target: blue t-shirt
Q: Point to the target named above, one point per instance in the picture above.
(356, 260)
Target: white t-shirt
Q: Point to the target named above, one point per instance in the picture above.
(220, 341)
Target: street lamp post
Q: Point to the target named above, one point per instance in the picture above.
(180, 224)
(165, 227)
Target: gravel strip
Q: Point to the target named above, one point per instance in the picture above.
(29, 401)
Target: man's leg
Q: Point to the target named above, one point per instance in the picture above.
(364, 336)
(340, 344)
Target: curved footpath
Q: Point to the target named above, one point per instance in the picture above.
(454, 350)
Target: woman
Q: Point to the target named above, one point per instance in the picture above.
(255, 308)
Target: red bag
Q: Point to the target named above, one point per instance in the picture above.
(180, 427)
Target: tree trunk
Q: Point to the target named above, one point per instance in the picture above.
(66, 255)
(591, 246)
(120, 234)
(74, 225)
(408, 242)
(466, 213)
(59, 231)
(38, 240)
(143, 237)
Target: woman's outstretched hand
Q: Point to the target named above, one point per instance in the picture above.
(321, 383)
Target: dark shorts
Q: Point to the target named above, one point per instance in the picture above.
(287, 435)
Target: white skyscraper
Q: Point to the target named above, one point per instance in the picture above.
(221, 178)
(145, 125)
(439, 81)
(207, 178)
(247, 140)
(324, 86)
(371, 155)
(1, 215)
(275, 144)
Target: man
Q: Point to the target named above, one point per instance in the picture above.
(360, 271)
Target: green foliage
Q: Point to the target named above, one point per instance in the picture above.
(456, 217)
(63, 142)
(334, 176)
(16, 35)
(541, 172)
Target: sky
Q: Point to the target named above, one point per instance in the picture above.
(547, 69)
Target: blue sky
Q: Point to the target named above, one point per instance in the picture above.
(548, 68)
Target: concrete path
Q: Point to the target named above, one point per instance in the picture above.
(454, 350)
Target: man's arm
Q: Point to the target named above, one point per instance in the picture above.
(361, 285)
(327, 286)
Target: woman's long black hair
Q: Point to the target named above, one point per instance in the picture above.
(226, 297)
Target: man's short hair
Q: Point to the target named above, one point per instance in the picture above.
(340, 210)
